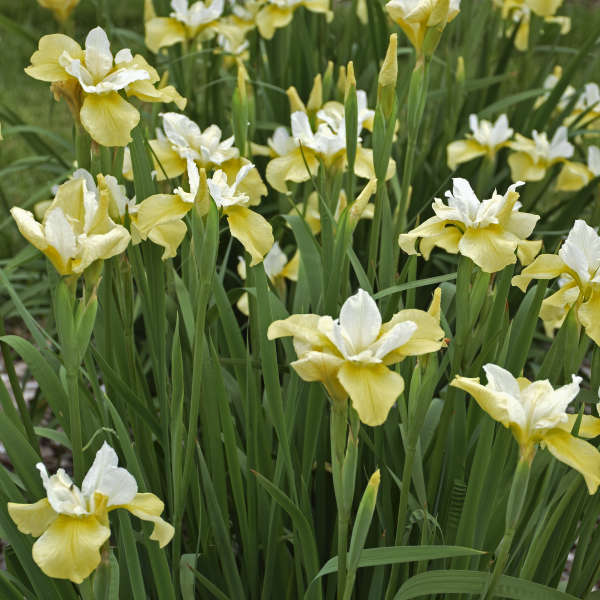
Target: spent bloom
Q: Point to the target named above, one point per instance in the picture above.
(61, 9)
(488, 231)
(350, 355)
(486, 139)
(573, 176)
(536, 414)
(416, 17)
(185, 22)
(72, 524)
(77, 227)
(531, 158)
(91, 80)
(276, 14)
(577, 264)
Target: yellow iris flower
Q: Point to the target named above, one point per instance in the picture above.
(578, 266)
(77, 228)
(350, 355)
(91, 81)
(486, 139)
(533, 157)
(185, 23)
(160, 217)
(181, 140)
(487, 232)
(415, 17)
(536, 414)
(277, 268)
(72, 524)
(61, 9)
(276, 14)
(574, 176)
(520, 11)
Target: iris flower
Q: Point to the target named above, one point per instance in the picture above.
(77, 228)
(350, 355)
(487, 232)
(276, 14)
(72, 524)
(415, 17)
(91, 81)
(577, 264)
(61, 9)
(486, 139)
(536, 415)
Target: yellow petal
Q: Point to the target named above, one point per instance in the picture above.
(149, 508)
(252, 230)
(167, 163)
(491, 248)
(109, 119)
(373, 390)
(432, 227)
(169, 236)
(545, 266)
(588, 315)
(527, 250)
(317, 6)
(290, 271)
(463, 151)
(573, 176)
(164, 31)
(578, 454)
(252, 184)
(523, 168)
(242, 304)
(555, 308)
(70, 547)
(303, 328)
(101, 247)
(159, 209)
(273, 17)
(44, 61)
(448, 239)
(33, 519)
(589, 427)
(364, 167)
(291, 167)
(522, 36)
(146, 91)
(544, 8)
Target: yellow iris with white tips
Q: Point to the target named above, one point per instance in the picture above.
(72, 524)
(577, 264)
(487, 232)
(276, 14)
(533, 157)
(77, 228)
(186, 22)
(160, 217)
(536, 414)
(415, 17)
(486, 139)
(350, 355)
(91, 81)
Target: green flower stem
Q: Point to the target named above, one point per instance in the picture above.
(516, 499)
(338, 422)
(75, 419)
(83, 145)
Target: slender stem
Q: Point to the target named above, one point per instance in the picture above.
(338, 443)
(83, 145)
(75, 420)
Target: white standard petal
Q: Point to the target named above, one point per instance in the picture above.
(107, 478)
(63, 495)
(463, 204)
(120, 79)
(59, 233)
(501, 380)
(501, 132)
(241, 174)
(282, 142)
(360, 321)
(301, 130)
(90, 184)
(123, 56)
(274, 261)
(594, 160)
(550, 409)
(194, 182)
(397, 336)
(560, 146)
(581, 251)
(180, 130)
(98, 57)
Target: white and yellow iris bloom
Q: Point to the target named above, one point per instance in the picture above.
(77, 228)
(488, 232)
(181, 140)
(520, 12)
(350, 355)
(536, 415)
(61, 9)
(415, 17)
(574, 176)
(91, 81)
(586, 111)
(185, 23)
(531, 158)
(276, 14)
(277, 268)
(160, 217)
(298, 156)
(72, 524)
(577, 264)
(485, 139)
